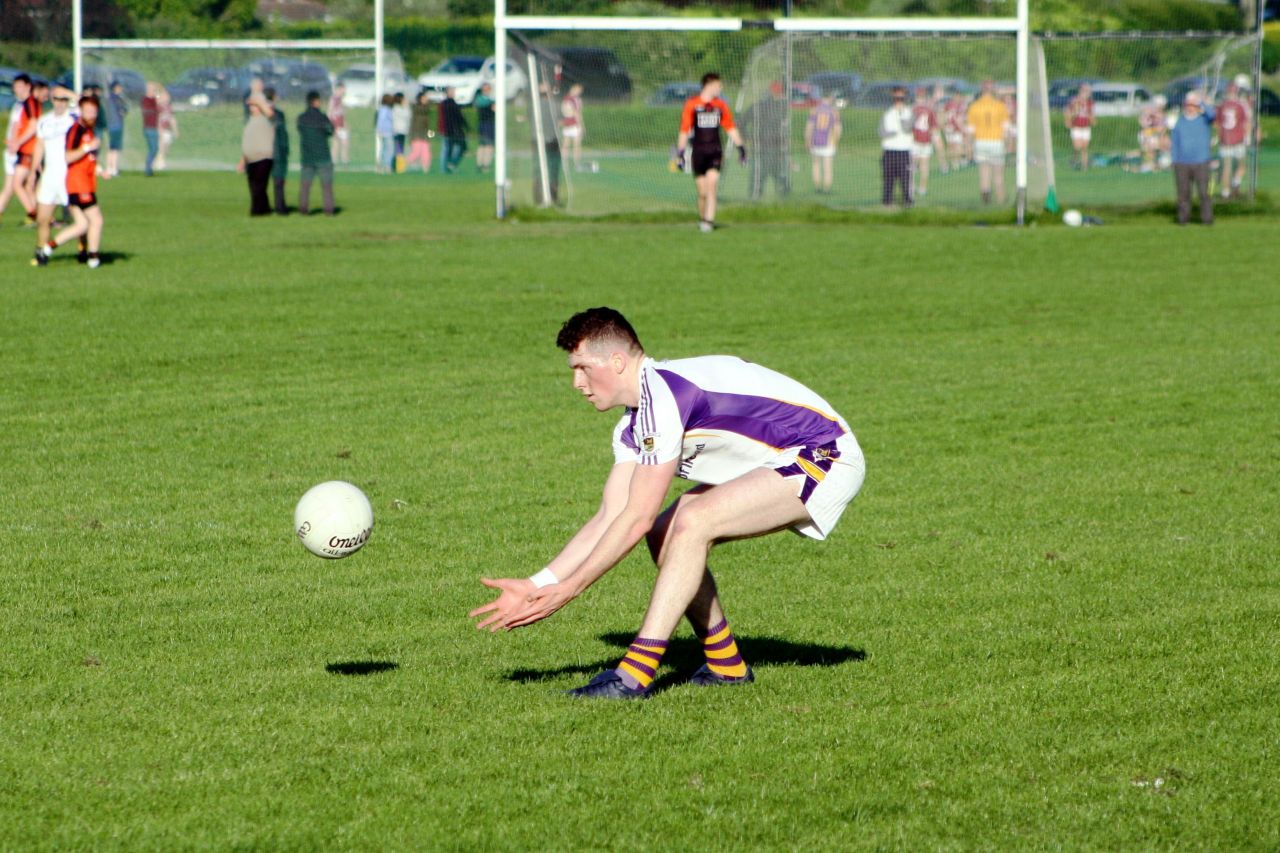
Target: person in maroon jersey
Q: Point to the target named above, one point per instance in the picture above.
(704, 115)
(959, 143)
(1079, 116)
(1233, 121)
(924, 128)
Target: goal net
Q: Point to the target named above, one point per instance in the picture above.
(609, 147)
(206, 83)
(1138, 83)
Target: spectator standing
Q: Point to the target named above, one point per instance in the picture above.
(384, 127)
(486, 123)
(117, 109)
(821, 136)
(988, 121)
(895, 145)
(401, 121)
(768, 125)
(420, 133)
(151, 126)
(1191, 136)
(341, 143)
(168, 126)
(279, 153)
(1079, 116)
(1234, 121)
(455, 131)
(314, 132)
(257, 143)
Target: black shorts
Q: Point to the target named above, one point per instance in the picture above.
(706, 159)
(84, 201)
(24, 160)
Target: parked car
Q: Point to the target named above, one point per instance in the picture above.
(359, 80)
(135, 85)
(674, 94)
(1268, 102)
(1177, 91)
(950, 86)
(1119, 99)
(843, 86)
(1061, 91)
(466, 74)
(198, 88)
(879, 95)
(291, 79)
(6, 95)
(598, 70)
(805, 96)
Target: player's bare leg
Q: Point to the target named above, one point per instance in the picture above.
(79, 226)
(828, 173)
(997, 174)
(6, 193)
(984, 182)
(921, 176)
(758, 502)
(23, 189)
(706, 609)
(817, 173)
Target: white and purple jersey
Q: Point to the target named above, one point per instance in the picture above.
(722, 417)
(822, 121)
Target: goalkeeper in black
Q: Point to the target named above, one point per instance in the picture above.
(704, 115)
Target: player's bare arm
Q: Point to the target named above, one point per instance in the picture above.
(513, 592)
(648, 490)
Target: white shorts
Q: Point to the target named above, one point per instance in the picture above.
(989, 152)
(823, 151)
(955, 137)
(572, 132)
(1081, 134)
(825, 482)
(52, 188)
(342, 133)
(921, 150)
(10, 162)
(166, 136)
(1235, 152)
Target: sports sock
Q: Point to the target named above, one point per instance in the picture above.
(640, 665)
(722, 654)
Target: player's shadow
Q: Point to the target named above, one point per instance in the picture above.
(685, 655)
(361, 667)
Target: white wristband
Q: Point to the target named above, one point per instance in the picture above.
(544, 578)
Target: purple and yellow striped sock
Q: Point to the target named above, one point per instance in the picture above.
(640, 665)
(722, 652)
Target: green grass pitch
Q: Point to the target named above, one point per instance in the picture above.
(1048, 622)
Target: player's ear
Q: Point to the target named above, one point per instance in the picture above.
(618, 361)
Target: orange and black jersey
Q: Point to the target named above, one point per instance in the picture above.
(27, 121)
(702, 120)
(81, 175)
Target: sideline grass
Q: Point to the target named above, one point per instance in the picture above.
(1057, 587)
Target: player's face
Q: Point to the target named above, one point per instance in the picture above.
(88, 113)
(597, 376)
(21, 90)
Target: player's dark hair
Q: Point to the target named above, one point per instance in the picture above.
(709, 77)
(269, 93)
(313, 97)
(90, 99)
(597, 324)
(23, 78)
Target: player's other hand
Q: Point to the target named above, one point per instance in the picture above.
(512, 594)
(681, 159)
(742, 155)
(541, 603)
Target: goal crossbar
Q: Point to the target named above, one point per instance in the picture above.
(231, 44)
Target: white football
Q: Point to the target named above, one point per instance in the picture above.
(1073, 218)
(333, 519)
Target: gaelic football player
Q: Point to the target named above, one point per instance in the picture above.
(20, 144)
(924, 127)
(700, 123)
(821, 136)
(51, 153)
(988, 120)
(82, 200)
(1234, 121)
(1079, 118)
(769, 453)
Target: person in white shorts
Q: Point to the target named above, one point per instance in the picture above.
(10, 157)
(1079, 117)
(769, 455)
(822, 136)
(51, 152)
(572, 127)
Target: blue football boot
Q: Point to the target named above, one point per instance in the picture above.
(704, 677)
(609, 685)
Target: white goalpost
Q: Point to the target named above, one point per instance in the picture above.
(539, 99)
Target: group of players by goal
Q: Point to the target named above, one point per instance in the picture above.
(50, 161)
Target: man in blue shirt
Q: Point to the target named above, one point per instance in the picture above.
(1191, 156)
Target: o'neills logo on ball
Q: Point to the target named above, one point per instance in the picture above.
(304, 530)
(350, 541)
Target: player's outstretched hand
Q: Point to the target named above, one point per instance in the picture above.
(512, 595)
(541, 603)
